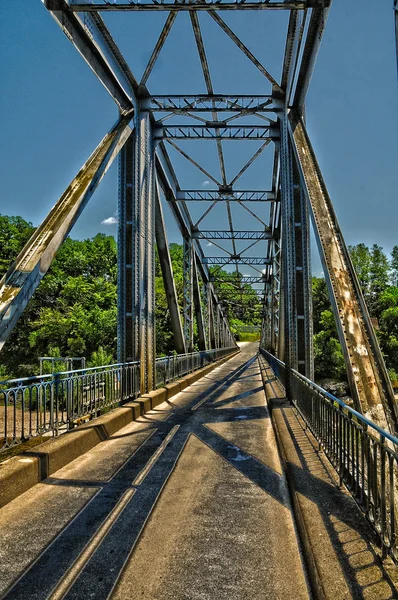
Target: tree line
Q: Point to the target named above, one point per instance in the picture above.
(74, 309)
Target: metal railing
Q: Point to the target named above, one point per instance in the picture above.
(53, 404)
(364, 455)
(173, 367)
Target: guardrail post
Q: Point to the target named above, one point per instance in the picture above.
(54, 404)
(383, 511)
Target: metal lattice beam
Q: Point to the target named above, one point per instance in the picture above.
(206, 103)
(232, 235)
(216, 131)
(243, 260)
(232, 196)
(172, 5)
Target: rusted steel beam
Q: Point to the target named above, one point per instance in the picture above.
(370, 385)
(19, 283)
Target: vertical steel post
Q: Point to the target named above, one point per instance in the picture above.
(168, 279)
(288, 251)
(303, 282)
(136, 298)
(188, 293)
(396, 29)
(128, 333)
(198, 306)
(212, 332)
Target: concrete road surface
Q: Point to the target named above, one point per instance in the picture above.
(189, 503)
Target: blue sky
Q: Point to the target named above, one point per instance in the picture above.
(54, 111)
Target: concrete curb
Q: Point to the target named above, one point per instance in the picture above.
(20, 473)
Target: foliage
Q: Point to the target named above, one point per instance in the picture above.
(394, 266)
(246, 336)
(74, 309)
(375, 275)
(14, 233)
(372, 268)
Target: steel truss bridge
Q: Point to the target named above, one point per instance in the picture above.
(147, 132)
(148, 137)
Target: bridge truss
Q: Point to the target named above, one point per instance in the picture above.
(150, 129)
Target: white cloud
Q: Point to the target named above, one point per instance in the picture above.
(109, 221)
(209, 244)
(206, 183)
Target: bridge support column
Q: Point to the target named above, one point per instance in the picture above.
(297, 298)
(303, 287)
(188, 293)
(288, 251)
(212, 333)
(198, 307)
(168, 279)
(136, 321)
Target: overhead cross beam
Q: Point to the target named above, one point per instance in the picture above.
(206, 103)
(216, 131)
(232, 279)
(172, 5)
(228, 235)
(243, 260)
(221, 194)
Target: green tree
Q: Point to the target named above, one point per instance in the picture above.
(14, 233)
(394, 266)
(328, 357)
(372, 268)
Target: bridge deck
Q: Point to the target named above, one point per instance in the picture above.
(190, 502)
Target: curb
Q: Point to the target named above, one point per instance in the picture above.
(20, 473)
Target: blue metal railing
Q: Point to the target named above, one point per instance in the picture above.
(364, 455)
(53, 404)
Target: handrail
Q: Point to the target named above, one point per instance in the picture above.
(365, 462)
(330, 396)
(54, 403)
(36, 378)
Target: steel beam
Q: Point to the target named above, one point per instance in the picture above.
(223, 194)
(288, 253)
(198, 307)
(396, 29)
(208, 102)
(188, 293)
(303, 280)
(172, 5)
(168, 279)
(244, 260)
(234, 235)
(370, 385)
(137, 230)
(237, 280)
(312, 44)
(93, 41)
(212, 331)
(215, 131)
(19, 283)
